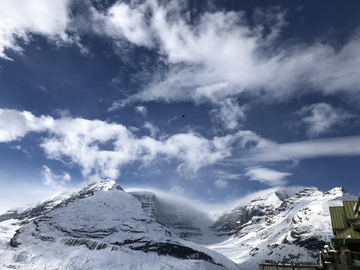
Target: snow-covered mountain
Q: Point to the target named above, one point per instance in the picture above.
(98, 227)
(102, 227)
(276, 227)
(230, 220)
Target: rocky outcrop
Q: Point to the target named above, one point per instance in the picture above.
(181, 220)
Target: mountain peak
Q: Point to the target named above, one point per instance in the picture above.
(309, 191)
(338, 189)
(103, 185)
(340, 192)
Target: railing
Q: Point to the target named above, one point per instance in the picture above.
(287, 263)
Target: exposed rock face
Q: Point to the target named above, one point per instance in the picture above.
(228, 222)
(231, 221)
(182, 220)
(100, 218)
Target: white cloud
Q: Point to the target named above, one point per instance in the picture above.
(221, 183)
(172, 119)
(322, 118)
(329, 147)
(133, 129)
(41, 88)
(178, 190)
(53, 180)
(142, 110)
(18, 147)
(267, 176)
(228, 113)
(15, 124)
(219, 56)
(225, 175)
(21, 18)
(124, 21)
(101, 148)
(154, 130)
(216, 208)
(222, 56)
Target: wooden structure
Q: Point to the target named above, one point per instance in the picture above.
(345, 221)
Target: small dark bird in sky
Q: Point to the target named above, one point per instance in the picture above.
(183, 115)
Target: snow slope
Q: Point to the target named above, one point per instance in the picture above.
(293, 229)
(102, 227)
(98, 227)
(181, 219)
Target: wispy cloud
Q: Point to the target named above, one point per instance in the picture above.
(267, 176)
(18, 147)
(220, 183)
(321, 118)
(154, 130)
(178, 190)
(16, 124)
(226, 175)
(142, 110)
(22, 18)
(205, 63)
(215, 58)
(56, 181)
(228, 113)
(329, 147)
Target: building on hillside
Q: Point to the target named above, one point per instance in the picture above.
(345, 221)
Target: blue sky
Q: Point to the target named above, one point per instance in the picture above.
(211, 100)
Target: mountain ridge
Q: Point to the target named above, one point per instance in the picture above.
(103, 218)
(296, 229)
(99, 219)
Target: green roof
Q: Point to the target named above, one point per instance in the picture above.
(357, 206)
(349, 209)
(337, 215)
(356, 224)
(355, 236)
